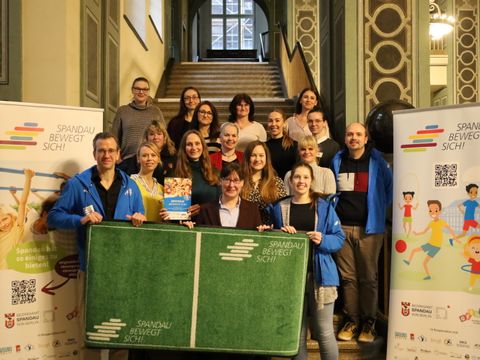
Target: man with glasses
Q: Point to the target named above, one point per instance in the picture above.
(130, 120)
(100, 193)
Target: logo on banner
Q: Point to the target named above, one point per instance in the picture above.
(405, 308)
(9, 320)
(21, 136)
(422, 139)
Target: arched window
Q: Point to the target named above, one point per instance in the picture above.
(232, 24)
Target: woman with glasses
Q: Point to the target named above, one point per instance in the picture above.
(182, 122)
(297, 124)
(323, 179)
(230, 210)
(156, 133)
(282, 147)
(262, 185)
(228, 142)
(242, 111)
(151, 190)
(205, 120)
(131, 119)
(318, 125)
(309, 211)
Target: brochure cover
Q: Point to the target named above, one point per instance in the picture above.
(178, 197)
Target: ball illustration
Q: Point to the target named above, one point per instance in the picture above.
(400, 246)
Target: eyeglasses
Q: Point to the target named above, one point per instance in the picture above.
(190, 98)
(233, 181)
(139, 90)
(205, 113)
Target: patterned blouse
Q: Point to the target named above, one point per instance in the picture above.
(255, 197)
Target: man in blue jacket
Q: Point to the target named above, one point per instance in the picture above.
(101, 192)
(364, 180)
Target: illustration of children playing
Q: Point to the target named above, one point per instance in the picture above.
(467, 208)
(472, 254)
(432, 247)
(407, 208)
(12, 223)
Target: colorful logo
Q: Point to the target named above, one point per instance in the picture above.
(423, 139)
(405, 308)
(21, 136)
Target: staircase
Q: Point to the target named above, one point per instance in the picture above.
(219, 82)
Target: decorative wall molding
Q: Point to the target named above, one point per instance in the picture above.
(387, 58)
(307, 33)
(466, 51)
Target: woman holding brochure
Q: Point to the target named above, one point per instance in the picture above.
(193, 162)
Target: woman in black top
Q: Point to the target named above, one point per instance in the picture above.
(283, 149)
(181, 123)
(205, 120)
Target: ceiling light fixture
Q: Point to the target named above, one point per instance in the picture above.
(440, 24)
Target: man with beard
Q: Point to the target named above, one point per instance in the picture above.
(364, 180)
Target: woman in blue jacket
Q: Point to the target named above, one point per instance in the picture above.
(310, 212)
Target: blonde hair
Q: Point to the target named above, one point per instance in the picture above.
(158, 128)
(152, 146)
(183, 168)
(475, 239)
(307, 141)
(268, 190)
(8, 210)
(287, 141)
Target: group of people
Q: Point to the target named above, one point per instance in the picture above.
(297, 180)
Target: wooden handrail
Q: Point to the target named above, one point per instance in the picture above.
(294, 67)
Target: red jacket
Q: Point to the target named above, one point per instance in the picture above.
(216, 159)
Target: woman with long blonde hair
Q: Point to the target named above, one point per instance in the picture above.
(262, 185)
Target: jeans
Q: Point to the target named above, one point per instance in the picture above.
(322, 326)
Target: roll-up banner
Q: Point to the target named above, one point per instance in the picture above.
(434, 308)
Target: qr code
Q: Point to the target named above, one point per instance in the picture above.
(23, 291)
(446, 175)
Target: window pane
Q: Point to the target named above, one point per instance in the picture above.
(217, 34)
(246, 33)
(246, 7)
(232, 7)
(232, 33)
(217, 7)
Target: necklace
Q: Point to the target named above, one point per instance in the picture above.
(229, 156)
(153, 190)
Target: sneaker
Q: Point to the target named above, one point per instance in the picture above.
(348, 332)
(368, 332)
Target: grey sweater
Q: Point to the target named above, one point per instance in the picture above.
(129, 123)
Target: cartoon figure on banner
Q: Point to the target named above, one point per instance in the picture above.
(12, 223)
(472, 254)
(467, 208)
(407, 208)
(432, 247)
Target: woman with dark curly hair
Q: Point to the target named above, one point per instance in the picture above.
(242, 111)
(205, 120)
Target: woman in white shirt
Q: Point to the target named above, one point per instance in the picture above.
(297, 124)
(242, 111)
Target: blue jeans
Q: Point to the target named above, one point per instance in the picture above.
(322, 327)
